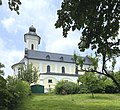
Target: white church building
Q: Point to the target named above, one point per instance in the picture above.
(52, 67)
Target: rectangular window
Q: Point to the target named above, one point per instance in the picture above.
(49, 80)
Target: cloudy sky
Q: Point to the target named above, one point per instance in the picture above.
(42, 14)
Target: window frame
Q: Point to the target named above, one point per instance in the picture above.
(50, 81)
(63, 69)
(48, 68)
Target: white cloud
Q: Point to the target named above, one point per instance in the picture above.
(9, 57)
(8, 22)
(62, 45)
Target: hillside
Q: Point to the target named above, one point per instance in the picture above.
(72, 102)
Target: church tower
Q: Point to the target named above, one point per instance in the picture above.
(32, 39)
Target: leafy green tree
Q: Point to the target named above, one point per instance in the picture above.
(13, 5)
(109, 86)
(18, 90)
(91, 82)
(98, 20)
(4, 93)
(29, 74)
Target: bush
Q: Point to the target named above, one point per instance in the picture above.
(18, 90)
(4, 94)
(23, 88)
(66, 87)
(110, 87)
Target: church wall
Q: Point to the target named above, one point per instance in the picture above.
(34, 43)
(57, 67)
(55, 78)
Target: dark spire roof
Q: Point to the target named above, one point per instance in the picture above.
(32, 29)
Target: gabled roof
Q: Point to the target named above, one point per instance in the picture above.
(41, 55)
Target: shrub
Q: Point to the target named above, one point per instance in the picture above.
(110, 87)
(18, 90)
(4, 94)
(23, 88)
(66, 87)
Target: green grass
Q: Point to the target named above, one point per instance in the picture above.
(72, 102)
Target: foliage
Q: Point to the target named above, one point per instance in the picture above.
(110, 87)
(117, 75)
(66, 87)
(90, 82)
(13, 5)
(4, 94)
(28, 74)
(1, 70)
(0, 2)
(12, 91)
(94, 62)
(18, 89)
(98, 21)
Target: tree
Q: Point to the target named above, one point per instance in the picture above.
(4, 93)
(13, 5)
(18, 90)
(28, 74)
(99, 22)
(91, 82)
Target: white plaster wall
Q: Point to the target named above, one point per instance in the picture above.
(41, 63)
(32, 40)
(57, 65)
(58, 78)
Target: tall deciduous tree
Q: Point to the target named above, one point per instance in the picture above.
(28, 74)
(91, 82)
(99, 22)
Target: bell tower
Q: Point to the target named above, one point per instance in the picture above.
(32, 39)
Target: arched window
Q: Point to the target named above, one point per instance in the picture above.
(63, 69)
(48, 68)
(32, 47)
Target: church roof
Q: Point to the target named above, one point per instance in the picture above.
(48, 56)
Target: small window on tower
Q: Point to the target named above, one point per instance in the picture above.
(32, 47)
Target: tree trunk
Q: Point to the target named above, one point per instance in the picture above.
(93, 95)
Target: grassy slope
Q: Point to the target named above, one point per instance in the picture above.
(72, 102)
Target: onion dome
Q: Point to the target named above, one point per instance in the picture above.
(32, 29)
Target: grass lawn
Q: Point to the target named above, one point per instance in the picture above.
(72, 102)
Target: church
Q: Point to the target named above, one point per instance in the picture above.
(52, 67)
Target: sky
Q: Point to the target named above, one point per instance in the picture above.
(42, 14)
